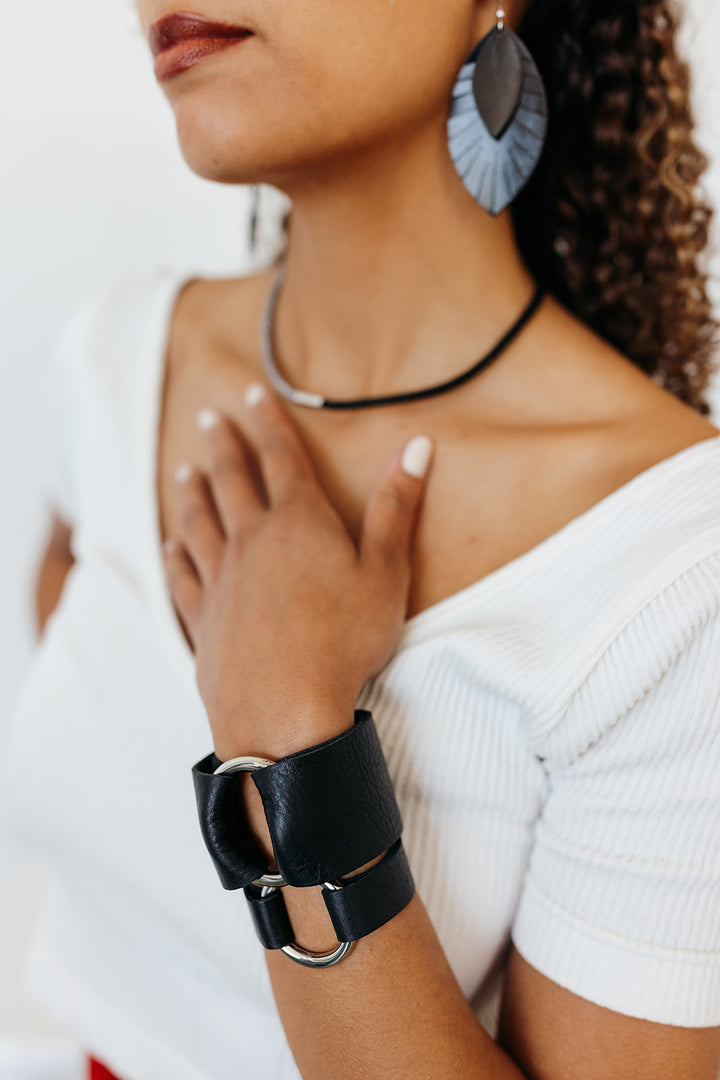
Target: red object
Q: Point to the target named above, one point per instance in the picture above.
(97, 1071)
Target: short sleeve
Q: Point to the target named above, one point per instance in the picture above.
(60, 417)
(621, 899)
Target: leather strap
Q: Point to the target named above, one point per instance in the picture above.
(224, 825)
(361, 906)
(330, 808)
(368, 901)
(272, 922)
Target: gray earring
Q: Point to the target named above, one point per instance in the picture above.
(498, 118)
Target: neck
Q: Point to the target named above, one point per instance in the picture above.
(396, 279)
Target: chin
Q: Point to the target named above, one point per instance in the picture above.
(222, 143)
(215, 167)
(261, 143)
(223, 150)
(222, 166)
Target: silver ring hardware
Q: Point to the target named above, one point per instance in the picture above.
(243, 765)
(311, 959)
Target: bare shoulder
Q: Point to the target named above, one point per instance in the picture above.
(219, 315)
(590, 385)
(562, 423)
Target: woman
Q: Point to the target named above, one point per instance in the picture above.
(517, 575)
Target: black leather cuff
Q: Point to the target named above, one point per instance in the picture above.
(361, 906)
(270, 916)
(237, 856)
(330, 808)
(368, 901)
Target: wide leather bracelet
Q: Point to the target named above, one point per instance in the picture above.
(356, 907)
(330, 808)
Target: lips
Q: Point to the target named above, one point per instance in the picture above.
(181, 26)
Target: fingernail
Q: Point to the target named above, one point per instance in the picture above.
(183, 472)
(170, 544)
(206, 418)
(254, 393)
(416, 456)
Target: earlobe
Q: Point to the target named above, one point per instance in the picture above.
(483, 22)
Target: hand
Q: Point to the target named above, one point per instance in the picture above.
(288, 618)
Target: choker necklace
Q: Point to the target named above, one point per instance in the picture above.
(316, 401)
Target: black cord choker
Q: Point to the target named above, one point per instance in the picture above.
(316, 401)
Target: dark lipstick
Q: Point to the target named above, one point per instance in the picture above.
(181, 39)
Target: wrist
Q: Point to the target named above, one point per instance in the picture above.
(278, 732)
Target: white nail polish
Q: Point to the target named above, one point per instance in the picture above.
(206, 418)
(170, 544)
(183, 472)
(254, 393)
(416, 456)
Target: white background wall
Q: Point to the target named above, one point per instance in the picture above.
(91, 185)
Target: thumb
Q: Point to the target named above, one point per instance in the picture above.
(393, 507)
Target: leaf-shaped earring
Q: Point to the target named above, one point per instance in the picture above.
(498, 118)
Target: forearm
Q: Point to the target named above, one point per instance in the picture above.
(391, 1008)
(56, 563)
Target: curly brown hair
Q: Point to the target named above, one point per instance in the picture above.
(613, 219)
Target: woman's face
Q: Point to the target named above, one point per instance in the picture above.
(317, 80)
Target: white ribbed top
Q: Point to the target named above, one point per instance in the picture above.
(553, 733)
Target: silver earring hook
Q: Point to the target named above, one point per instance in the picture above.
(500, 16)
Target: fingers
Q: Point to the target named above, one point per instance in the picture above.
(393, 508)
(237, 496)
(192, 558)
(285, 466)
(184, 584)
(285, 463)
(199, 527)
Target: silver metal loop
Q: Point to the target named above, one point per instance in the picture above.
(270, 880)
(242, 764)
(251, 764)
(500, 15)
(311, 959)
